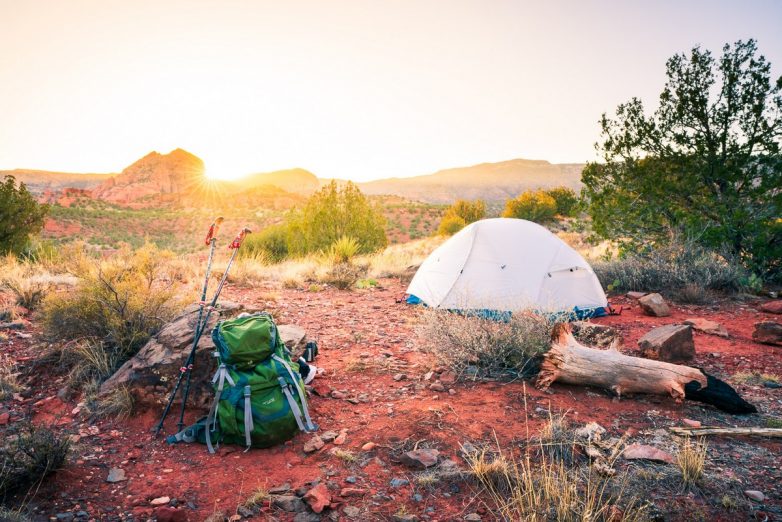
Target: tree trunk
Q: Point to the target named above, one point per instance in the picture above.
(570, 362)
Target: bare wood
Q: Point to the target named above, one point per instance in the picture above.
(697, 432)
(570, 362)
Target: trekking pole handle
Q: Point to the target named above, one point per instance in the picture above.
(237, 242)
(213, 228)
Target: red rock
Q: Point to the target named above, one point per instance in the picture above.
(448, 378)
(706, 326)
(692, 423)
(643, 452)
(4, 417)
(169, 514)
(768, 332)
(772, 307)
(318, 498)
(341, 438)
(314, 444)
(670, 343)
(369, 446)
(654, 305)
(352, 492)
(421, 458)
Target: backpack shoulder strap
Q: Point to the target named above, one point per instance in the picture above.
(307, 425)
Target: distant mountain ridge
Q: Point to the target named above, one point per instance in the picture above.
(489, 181)
(179, 177)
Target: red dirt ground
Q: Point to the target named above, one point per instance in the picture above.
(366, 337)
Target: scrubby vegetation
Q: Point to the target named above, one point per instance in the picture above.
(474, 347)
(116, 306)
(461, 214)
(566, 199)
(29, 456)
(20, 216)
(682, 270)
(537, 206)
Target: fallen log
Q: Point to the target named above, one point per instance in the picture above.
(698, 432)
(570, 362)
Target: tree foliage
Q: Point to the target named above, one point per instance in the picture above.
(532, 205)
(332, 213)
(461, 214)
(566, 199)
(20, 216)
(705, 164)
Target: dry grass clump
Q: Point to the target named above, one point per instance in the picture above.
(399, 260)
(28, 457)
(683, 271)
(9, 383)
(475, 347)
(755, 378)
(691, 460)
(523, 488)
(257, 498)
(25, 281)
(117, 403)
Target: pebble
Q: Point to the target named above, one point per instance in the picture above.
(369, 446)
(437, 386)
(755, 495)
(160, 501)
(399, 482)
(314, 444)
(116, 475)
(351, 479)
(692, 423)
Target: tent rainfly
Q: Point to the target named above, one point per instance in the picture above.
(507, 265)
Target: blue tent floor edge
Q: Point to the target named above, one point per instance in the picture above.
(576, 314)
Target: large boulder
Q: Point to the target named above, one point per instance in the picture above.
(151, 373)
(654, 305)
(669, 343)
(768, 332)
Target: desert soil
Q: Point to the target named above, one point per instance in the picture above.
(366, 337)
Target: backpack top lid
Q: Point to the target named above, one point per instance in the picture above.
(245, 341)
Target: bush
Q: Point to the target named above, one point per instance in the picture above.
(566, 199)
(343, 250)
(344, 275)
(269, 245)
(8, 378)
(474, 347)
(450, 225)
(116, 306)
(20, 216)
(334, 212)
(28, 287)
(678, 270)
(25, 460)
(535, 206)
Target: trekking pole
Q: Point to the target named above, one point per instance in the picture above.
(188, 366)
(211, 241)
(235, 244)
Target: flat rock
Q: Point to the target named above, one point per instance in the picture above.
(654, 305)
(636, 295)
(755, 495)
(318, 498)
(644, 452)
(768, 332)
(294, 337)
(772, 307)
(314, 444)
(351, 511)
(708, 327)
(150, 373)
(116, 475)
(669, 343)
(420, 458)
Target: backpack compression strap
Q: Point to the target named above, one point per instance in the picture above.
(220, 377)
(307, 426)
(248, 418)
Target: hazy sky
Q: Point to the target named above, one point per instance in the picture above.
(353, 89)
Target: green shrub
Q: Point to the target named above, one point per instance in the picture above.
(679, 270)
(27, 458)
(537, 206)
(344, 275)
(270, 244)
(450, 225)
(334, 212)
(20, 216)
(343, 250)
(566, 199)
(116, 306)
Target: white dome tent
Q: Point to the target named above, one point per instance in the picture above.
(507, 265)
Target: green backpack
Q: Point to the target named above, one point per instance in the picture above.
(260, 399)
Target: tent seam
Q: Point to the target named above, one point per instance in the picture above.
(461, 271)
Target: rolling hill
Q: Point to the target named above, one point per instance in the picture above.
(39, 181)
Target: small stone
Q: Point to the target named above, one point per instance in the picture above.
(755, 495)
(351, 479)
(352, 492)
(473, 517)
(289, 503)
(418, 497)
(314, 444)
(236, 518)
(669, 343)
(768, 332)
(654, 305)
(421, 458)
(591, 432)
(328, 436)
(160, 501)
(708, 327)
(692, 423)
(399, 482)
(245, 511)
(318, 498)
(644, 452)
(64, 517)
(436, 386)
(341, 438)
(116, 475)
(338, 395)
(369, 446)
(351, 511)
(400, 377)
